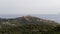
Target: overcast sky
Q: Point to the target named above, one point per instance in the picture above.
(29, 6)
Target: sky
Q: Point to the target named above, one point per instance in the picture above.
(29, 7)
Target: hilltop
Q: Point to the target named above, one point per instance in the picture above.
(29, 20)
(27, 24)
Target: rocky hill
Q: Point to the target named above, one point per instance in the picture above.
(27, 25)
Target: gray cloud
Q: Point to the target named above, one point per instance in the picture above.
(29, 6)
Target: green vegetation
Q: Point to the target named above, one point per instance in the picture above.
(28, 25)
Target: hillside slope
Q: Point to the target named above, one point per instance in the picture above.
(27, 25)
